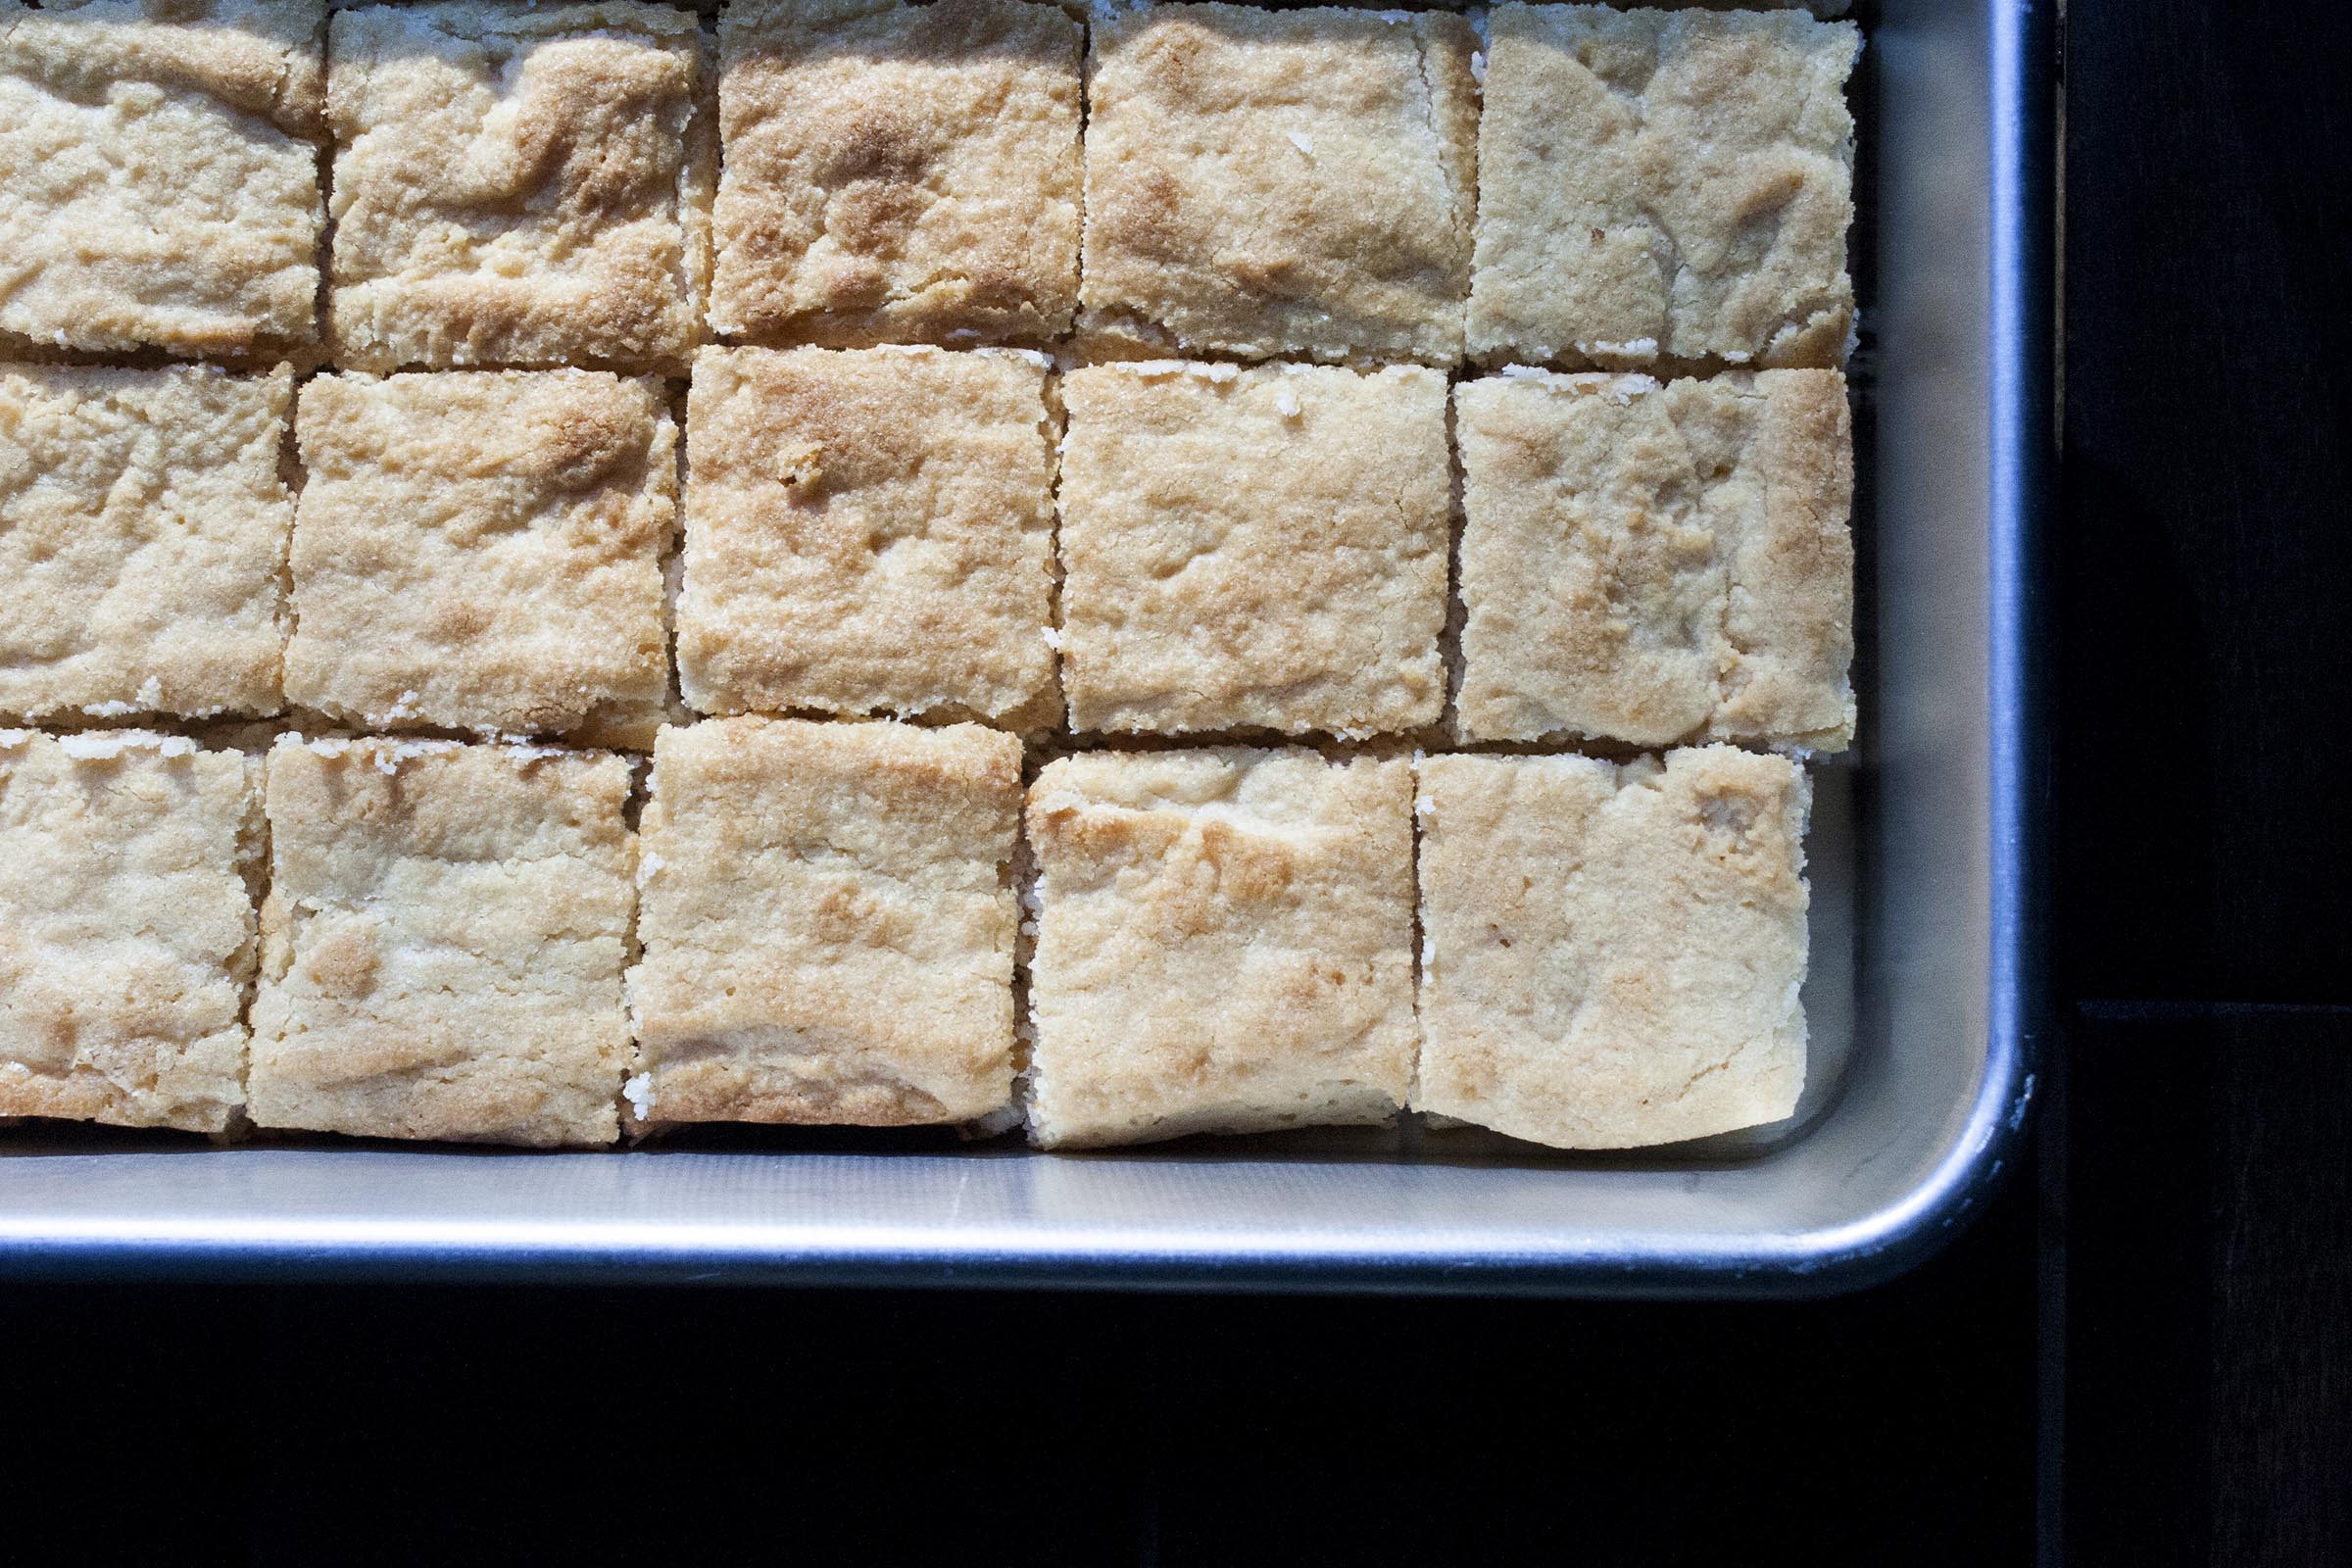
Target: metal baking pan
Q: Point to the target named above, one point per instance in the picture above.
(1926, 999)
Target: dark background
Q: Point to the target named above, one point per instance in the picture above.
(2197, 1177)
(2141, 1355)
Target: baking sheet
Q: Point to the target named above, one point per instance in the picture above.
(1924, 997)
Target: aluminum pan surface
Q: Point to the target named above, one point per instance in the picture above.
(1930, 890)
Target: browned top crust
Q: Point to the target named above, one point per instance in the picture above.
(1259, 548)
(869, 531)
(482, 550)
(1279, 184)
(1612, 954)
(828, 925)
(517, 184)
(443, 941)
(1658, 564)
(143, 528)
(157, 188)
(898, 173)
(1224, 944)
(1663, 188)
(126, 927)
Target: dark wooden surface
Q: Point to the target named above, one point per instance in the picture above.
(366, 1426)
(2199, 1182)
(2205, 537)
(2139, 1357)
(2208, 1379)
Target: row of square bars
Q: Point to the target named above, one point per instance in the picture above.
(521, 185)
(1199, 549)
(817, 922)
(1764, 1077)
